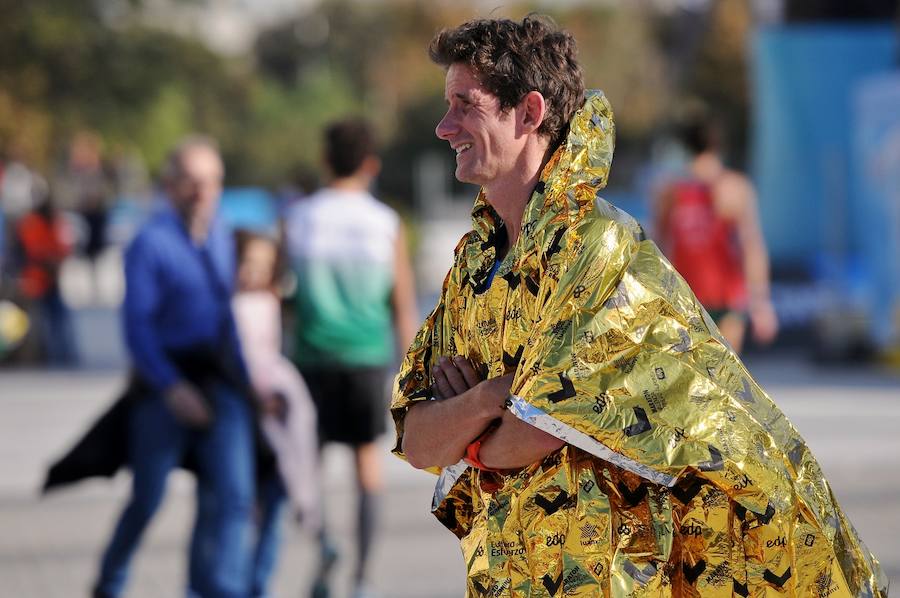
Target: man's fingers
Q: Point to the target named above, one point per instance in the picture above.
(454, 377)
(468, 372)
(442, 387)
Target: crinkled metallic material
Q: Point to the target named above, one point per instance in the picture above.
(680, 476)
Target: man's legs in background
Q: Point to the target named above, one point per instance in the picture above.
(220, 546)
(369, 477)
(156, 443)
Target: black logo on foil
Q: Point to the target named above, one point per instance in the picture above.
(551, 507)
(532, 285)
(632, 497)
(642, 425)
(552, 585)
(642, 576)
(685, 492)
(512, 361)
(567, 391)
(512, 279)
(715, 462)
(555, 245)
(692, 573)
(777, 580)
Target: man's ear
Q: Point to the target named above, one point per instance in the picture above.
(534, 108)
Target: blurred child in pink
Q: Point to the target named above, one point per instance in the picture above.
(287, 415)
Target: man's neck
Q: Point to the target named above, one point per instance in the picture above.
(197, 228)
(199, 231)
(707, 167)
(510, 195)
(354, 182)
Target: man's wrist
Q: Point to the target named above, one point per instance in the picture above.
(488, 406)
(472, 455)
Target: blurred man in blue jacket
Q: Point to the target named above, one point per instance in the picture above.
(181, 335)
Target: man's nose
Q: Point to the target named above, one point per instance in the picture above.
(446, 128)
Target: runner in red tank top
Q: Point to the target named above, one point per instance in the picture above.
(704, 248)
(708, 226)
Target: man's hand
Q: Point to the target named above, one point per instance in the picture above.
(515, 443)
(495, 391)
(188, 405)
(454, 376)
(764, 322)
(436, 433)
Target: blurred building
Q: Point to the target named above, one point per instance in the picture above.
(827, 216)
(227, 26)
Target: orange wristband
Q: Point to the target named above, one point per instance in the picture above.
(471, 456)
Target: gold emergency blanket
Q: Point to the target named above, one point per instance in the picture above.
(680, 476)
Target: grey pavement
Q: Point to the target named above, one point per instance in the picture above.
(49, 546)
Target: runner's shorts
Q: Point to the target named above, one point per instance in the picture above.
(351, 401)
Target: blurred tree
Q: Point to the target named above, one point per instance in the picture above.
(376, 54)
(67, 65)
(282, 129)
(707, 66)
(63, 69)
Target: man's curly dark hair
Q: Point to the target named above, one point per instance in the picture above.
(511, 59)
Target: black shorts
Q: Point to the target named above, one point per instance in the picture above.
(351, 402)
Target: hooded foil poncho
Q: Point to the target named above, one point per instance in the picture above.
(680, 476)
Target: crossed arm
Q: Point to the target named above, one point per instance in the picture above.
(438, 432)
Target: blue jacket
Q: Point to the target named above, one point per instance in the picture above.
(178, 296)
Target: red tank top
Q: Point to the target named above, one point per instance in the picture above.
(703, 248)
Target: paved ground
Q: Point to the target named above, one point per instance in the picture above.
(49, 546)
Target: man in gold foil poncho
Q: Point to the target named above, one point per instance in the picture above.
(614, 445)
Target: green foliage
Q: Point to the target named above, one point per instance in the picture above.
(65, 66)
(162, 123)
(284, 123)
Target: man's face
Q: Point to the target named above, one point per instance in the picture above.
(195, 189)
(485, 137)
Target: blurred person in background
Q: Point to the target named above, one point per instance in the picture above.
(593, 432)
(20, 186)
(86, 188)
(190, 386)
(4, 236)
(44, 241)
(354, 305)
(707, 223)
(287, 414)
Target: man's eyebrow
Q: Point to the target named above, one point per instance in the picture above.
(459, 95)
